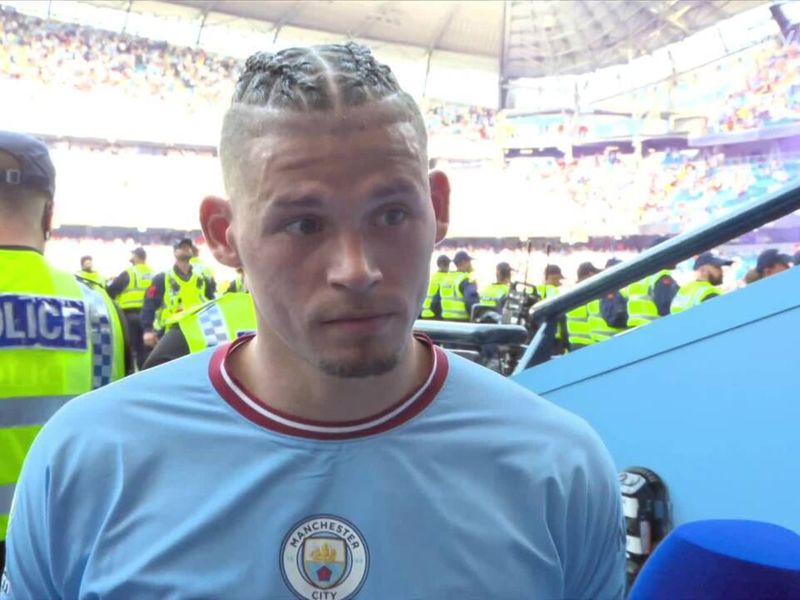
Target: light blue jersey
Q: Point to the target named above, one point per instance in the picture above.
(176, 483)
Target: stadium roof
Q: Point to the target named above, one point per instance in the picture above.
(528, 38)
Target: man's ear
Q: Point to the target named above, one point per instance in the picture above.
(440, 198)
(215, 219)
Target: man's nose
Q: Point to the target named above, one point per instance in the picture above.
(352, 267)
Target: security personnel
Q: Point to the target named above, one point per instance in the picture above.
(88, 273)
(173, 293)
(223, 319)
(771, 262)
(237, 283)
(203, 269)
(59, 336)
(443, 269)
(651, 297)
(552, 281)
(709, 274)
(128, 289)
(458, 292)
(495, 295)
(549, 289)
(599, 326)
(578, 327)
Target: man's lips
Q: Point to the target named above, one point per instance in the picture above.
(358, 323)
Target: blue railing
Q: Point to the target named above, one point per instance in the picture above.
(675, 250)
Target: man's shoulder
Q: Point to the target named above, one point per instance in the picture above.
(505, 398)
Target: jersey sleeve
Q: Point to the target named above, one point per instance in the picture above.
(595, 558)
(29, 563)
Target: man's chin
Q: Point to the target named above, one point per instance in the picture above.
(351, 369)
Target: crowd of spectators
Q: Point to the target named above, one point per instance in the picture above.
(768, 92)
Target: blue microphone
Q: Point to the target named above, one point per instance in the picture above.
(723, 560)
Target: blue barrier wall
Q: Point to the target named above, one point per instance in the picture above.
(707, 398)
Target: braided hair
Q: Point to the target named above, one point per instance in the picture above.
(317, 78)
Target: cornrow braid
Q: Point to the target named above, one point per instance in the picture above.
(316, 78)
(330, 77)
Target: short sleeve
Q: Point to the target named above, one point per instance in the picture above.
(595, 565)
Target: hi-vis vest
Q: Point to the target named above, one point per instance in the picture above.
(180, 296)
(433, 287)
(59, 338)
(599, 329)
(641, 307)
(578, 326)
(493, 294)
(693, 294)
(453, 306)
(139, 279)
(219, 321)
(92, 276)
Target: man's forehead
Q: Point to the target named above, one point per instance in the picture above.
(379, 124)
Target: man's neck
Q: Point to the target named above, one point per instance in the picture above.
(183, 266)
(289, 384)
(11, 236)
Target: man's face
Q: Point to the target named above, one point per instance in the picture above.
(336, 233)
(86, 265)
(183, 252)
(715, 275)
(776, 268)
(465, 266)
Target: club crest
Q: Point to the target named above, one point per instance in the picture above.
(324, 558)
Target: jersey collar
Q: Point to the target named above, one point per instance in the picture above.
(261, 413)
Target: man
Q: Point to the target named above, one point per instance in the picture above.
(771, 262)
(332, 454)
(172, 293)
(128, 289)
(552, 281)
(88, 273)
(237, 283)
(709, 274)
(442, 271)
(651, 297)
(578, 326)
(458, 292)
(59, 337)
(495, 295)
(608, 316)
(203, 269)
(223, 319)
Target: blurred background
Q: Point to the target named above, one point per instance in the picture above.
(571, 131)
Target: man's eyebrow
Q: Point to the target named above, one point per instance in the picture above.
(292, 201)
(394, 188)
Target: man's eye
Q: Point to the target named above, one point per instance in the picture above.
(393, 216)
(304, 226)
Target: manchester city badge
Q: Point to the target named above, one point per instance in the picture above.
(324, 558)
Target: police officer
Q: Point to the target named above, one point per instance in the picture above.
(552, 281)
(59, 336)
(172, 293)
(608, 316)
(442, 271)
(88, 273)
(578, 327)
(651, 297)
(237, 283)
(203, 269)
(458, 292)
(221, 320)
(772, 262)
(709, 274)
(495, 295)
(128, 289)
